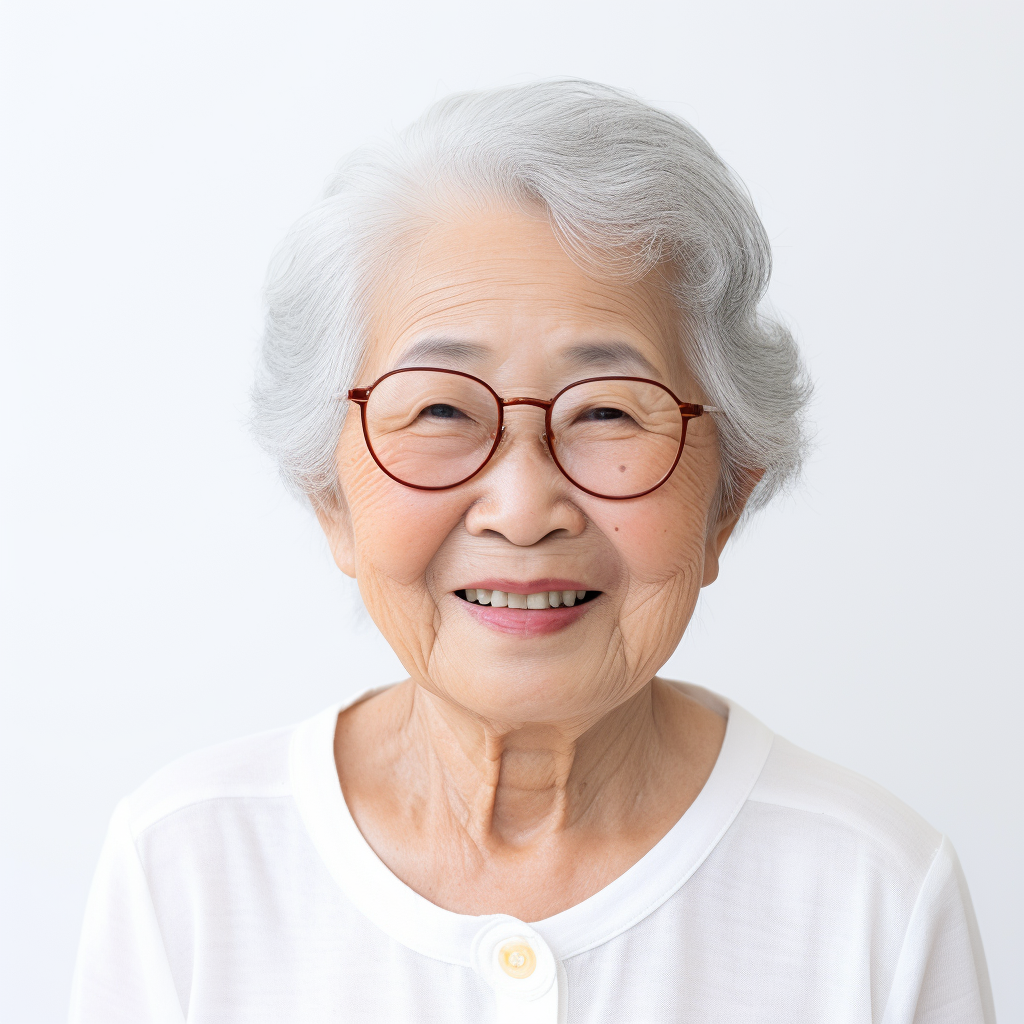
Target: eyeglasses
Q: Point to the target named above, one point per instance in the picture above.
(613, 437)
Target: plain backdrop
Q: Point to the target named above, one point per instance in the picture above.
(162, 593)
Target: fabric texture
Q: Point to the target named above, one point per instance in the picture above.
(234, 886)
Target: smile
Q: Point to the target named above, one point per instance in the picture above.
(528, 611)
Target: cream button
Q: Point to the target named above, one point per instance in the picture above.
(519, 966)
(517, 959)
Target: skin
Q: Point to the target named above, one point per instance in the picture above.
(515, 773)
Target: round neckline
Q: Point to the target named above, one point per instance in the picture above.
(426, 928)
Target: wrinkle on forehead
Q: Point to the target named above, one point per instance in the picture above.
(482, 286)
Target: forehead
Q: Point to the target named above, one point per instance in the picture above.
(483, 290)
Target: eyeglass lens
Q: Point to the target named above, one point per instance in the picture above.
(613, 437)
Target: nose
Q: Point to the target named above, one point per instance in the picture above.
(521, 494)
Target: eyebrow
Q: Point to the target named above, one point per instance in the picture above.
(447, 350)
(609, 355)
(614, 356)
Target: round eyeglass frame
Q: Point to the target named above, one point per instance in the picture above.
(687, 412)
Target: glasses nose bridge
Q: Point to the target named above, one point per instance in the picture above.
(537, 403)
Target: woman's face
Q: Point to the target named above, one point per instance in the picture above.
(495, 296)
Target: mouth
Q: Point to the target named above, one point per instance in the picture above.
(533, 609)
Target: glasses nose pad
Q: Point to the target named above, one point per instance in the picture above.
(503, 440)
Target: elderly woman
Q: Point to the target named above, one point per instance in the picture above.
(515, 362)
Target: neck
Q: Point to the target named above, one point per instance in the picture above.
(517, 786)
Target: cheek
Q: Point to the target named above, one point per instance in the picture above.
(660, 540)
(397, 531)
(661, 537)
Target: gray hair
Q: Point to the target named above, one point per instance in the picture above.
(626, 188)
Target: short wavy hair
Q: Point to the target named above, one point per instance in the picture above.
(626, 188)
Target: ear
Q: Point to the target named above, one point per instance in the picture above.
(336, 522)
(720, 533)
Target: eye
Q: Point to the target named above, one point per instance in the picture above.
(443, 412)
(603, 414)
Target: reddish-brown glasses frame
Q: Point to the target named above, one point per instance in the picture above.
(687, 412)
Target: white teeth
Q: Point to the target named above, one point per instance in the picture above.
(535, 602)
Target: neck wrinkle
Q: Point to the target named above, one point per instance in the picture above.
(514, 787)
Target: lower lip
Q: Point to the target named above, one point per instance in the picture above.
(523, 622)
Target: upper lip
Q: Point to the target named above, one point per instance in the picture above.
(547, 583)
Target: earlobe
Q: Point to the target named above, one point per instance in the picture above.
(337, 526)
(719, 536)
(717, 539)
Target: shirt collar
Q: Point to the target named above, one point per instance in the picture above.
(424, 927)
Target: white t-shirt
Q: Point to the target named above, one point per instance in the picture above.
(234, 886)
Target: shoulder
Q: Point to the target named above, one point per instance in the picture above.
(835, 802)
(253, 767)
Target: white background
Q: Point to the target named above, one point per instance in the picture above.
(160, 591)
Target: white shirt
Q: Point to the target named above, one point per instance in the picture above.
(234, 886)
